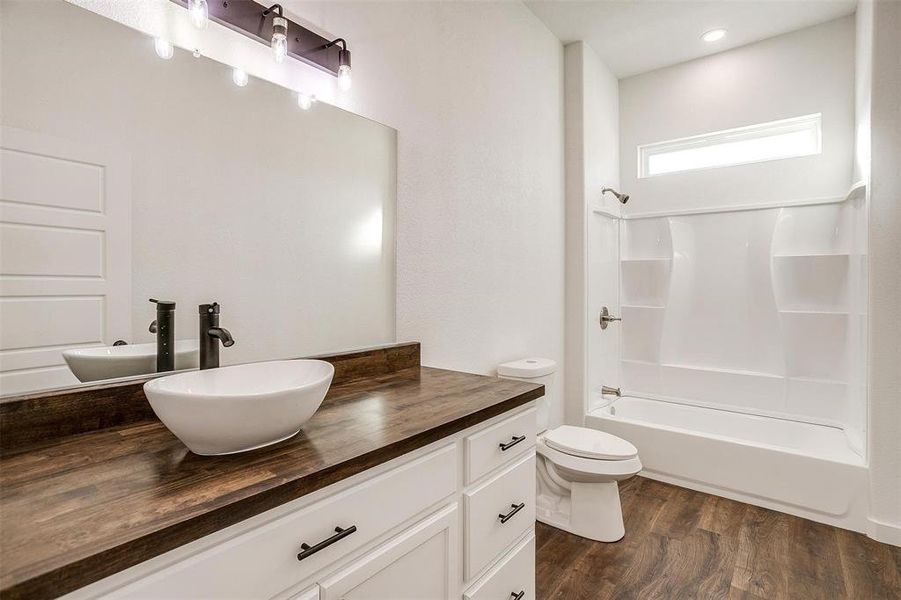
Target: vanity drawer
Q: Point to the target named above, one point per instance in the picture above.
(264, 561)
(497, 513)
(514, 575)
(499, 444)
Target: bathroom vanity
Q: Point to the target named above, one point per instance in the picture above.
(409, 482)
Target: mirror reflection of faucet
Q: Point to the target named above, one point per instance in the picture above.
(210, 335)
(164, 328)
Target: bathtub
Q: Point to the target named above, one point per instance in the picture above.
(799, 468)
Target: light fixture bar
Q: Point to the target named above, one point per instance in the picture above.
(247, 17)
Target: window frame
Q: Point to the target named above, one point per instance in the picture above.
(806, 123)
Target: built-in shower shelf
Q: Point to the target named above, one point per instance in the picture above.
(647, 259)
(804, 311)
(812, 283)
(646, 363)
(813, 255)
(645, 281)
(818, 380)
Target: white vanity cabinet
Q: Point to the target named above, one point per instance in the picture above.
(419, 563)
(453, 519)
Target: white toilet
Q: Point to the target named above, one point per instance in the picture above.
(578, 467)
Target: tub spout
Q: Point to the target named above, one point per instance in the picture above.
(611, 391)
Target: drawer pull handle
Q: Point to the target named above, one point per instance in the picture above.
(511, 443)
(514, 508)
(519, 595)
(340, 534)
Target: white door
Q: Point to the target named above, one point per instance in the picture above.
(419, 564)
(65, 255)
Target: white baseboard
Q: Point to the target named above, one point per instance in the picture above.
(887, 533)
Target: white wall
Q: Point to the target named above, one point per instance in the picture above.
(592, 163)
(285, 217)
(475, 92)
(804, 72)
(882, 20)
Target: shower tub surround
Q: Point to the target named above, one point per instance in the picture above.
(129, 511)
(743, 353)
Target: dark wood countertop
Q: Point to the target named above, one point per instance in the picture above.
(90, 505)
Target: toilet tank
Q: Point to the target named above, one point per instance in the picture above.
(541, 371)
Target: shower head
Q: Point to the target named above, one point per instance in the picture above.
(623, 198)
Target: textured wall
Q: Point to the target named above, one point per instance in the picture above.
(475, 92)
(799, 73)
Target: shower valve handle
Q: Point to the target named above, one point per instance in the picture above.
(607, 318)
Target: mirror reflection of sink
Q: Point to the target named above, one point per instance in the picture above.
(242, 407)
(108, 362)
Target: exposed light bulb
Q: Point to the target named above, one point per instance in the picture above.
(344, 78)
(200, 13)
(239, 77)
(163, 48)
(714, 35)
(280, 38)
(305, 101)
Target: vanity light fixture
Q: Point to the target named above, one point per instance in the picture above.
(239, 76)
(279, 41)
(200, 13)
(164, 48)
(305, 101)
(267, 24)
(714, 35)
(344, 80)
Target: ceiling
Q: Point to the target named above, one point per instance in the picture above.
(635, 36)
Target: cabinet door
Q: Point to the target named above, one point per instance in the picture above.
(418, 564)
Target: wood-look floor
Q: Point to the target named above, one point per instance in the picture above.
(683, 544)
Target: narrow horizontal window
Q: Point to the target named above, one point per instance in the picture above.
(788, 138)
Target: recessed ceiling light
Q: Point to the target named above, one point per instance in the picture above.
(714, 35)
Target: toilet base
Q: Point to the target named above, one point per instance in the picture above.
(589, 510)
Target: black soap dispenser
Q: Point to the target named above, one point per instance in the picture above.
(164, 327)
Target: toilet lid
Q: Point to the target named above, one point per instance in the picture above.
(589, 443)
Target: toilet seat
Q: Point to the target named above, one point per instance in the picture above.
(588, 466)
(589, 443)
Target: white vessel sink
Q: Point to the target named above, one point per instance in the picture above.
(108, 362)
(239, 408)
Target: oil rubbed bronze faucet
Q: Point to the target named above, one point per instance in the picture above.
(210, 335)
